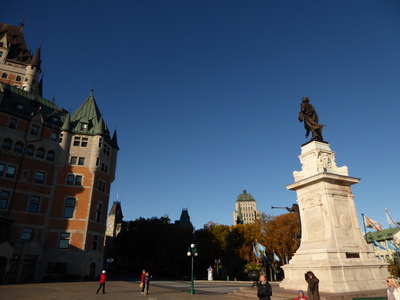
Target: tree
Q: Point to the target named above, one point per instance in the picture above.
(280, 236)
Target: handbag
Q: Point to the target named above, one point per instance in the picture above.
(141, 285)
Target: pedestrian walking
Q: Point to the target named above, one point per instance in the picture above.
(264, 290)
(313, 289)
(393, 290)
(102, 282)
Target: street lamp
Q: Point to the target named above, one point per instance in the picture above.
(192, 251)
(217, 262)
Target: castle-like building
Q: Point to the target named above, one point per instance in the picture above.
(56, 171)
(246, 211)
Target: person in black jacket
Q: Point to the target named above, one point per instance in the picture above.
(264, 290)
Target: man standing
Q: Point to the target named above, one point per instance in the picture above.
(264, 290)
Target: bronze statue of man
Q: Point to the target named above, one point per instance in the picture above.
(310, 118)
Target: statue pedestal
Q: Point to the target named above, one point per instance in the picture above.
(332, 245)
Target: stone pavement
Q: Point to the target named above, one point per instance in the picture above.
(165, 290)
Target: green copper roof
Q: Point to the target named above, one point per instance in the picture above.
(30, 104)
(88, 114)
(245, 197)
(386, 234)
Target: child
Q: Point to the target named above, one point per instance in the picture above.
(301, 296)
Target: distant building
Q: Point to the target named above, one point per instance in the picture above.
(382, 237)
(56, 172)
(184, 220)
(245, 209)
(114, 225)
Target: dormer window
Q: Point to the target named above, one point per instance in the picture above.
(4, 75)
(54, 120)
(18, 78)
(34, 130)
(84, 126)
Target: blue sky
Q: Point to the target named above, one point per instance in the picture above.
(205, 94)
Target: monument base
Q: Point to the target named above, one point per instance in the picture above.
(332, 246)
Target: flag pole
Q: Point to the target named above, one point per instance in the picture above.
(365, 229)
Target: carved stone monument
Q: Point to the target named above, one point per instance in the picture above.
(332, 245)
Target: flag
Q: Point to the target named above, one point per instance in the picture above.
(265, 256)
(376, 244)
(260, 247)
(372, 224)
(390, 245)
(276, 257)
(390, 220)
(256, 253)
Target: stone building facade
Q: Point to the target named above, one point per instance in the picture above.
(56, 171)
(246, 211)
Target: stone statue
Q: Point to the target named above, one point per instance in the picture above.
(309, 116)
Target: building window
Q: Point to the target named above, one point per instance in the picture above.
(100, 142)
(34, 130)
(84, 126)
(98, 211)
(12, 123)
(18, 78)
(54, 136)
(18, 147)
(4, 75)
(95, 242)
(50, 155)
(6, 145)
(77, 141)
(2, 168)
(40, 152)
(81, 161)
(73, 160)
(27, 234)
(39, 177)
(97, 161)
(84, 142)
(29, 150)
(33, 205)
(63, 242)
(60, 140)
(1, 53)
(102, 186)
(69, 208)
(10, 173)
(4, 198)
(74, 179)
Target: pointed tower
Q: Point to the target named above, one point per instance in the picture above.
(245, 209)
(17, 67)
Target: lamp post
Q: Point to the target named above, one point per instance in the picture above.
(192, 251)
(217, 262)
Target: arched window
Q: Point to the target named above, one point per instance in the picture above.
(29, 150)
(19, 147)
(7, 143)
(40, 152)
(18, 78)
(50, 155)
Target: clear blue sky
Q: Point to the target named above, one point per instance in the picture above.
(205, 94)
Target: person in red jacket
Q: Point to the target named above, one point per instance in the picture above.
(301, 296)
(143, 280)
(102, 282)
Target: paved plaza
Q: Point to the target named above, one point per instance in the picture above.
(119, 289)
